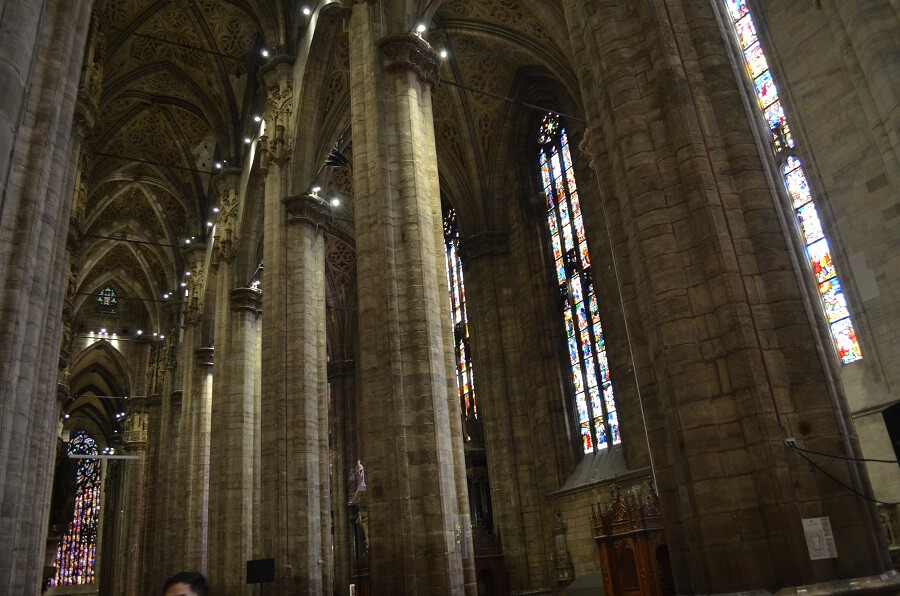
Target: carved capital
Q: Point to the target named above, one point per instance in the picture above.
(247, 299)
(307, 208)
(341, 368)
(411, 53)
(483, 244)
(62, 392)
(175, 398)
(204, 356)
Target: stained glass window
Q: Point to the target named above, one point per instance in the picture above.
(77, 553)
(795, 180)
(594, 402)
(465, 382)
(107, 301)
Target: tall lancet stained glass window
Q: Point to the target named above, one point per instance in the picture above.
(465, 381)
(794, 176)
(594, 401)
(77, 553)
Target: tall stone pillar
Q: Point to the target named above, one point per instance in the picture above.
(232, 497)
(494, 326)
(133, 491)
(344, 454)
(193, 449)
(293, 407)
(39, 75)
(407, 442)
(730, 365)
(165, 463)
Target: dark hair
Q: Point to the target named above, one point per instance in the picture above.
(194, 579)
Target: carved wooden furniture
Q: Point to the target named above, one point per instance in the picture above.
(631, 544)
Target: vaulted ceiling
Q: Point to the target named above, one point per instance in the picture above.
(179, 92)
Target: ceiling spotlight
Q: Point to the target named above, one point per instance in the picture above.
(183, 284)
(306, 10)
(247, 140)
(421, 27)
(188, 273)
(264, 52)
(187, 240)
(218, 165)
(114, 334)
(154, 334)
(209, 224)
(444, 53)
(162, 337)
(215, 209)
(66, 417)
(91, 332)
(165, 297)
(103, 331)
(139, 332)
(316, 189)
(257, 118)
(335, 202)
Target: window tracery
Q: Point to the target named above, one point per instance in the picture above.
(794, 177)
(465, 381)
(107, 302)
(76, 556)
(594, 399)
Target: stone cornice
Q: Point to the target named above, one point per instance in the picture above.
(411, 53)
(307, 208)
(249, 299)
(204, 356)
(477, 246)
(341, 368)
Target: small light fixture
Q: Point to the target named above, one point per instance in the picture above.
(66, 417)
(215, 209)
(264, 52)
(421, 28)
(444, 53)
(165, 297)
(103, 331)
(335, 202)
(162, 337)
(114, 334)
(91, 332)
(306, 11)
(154, 334)
(183, 284)
(188, 273)
(187, 240)
(257, 118)
(209, 224)
(218, 165)
(316, 189)
(247, 140)
(139, 332)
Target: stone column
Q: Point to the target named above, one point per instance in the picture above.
(493, 322)
(153, 487)
(198, 474)
(293, 486)
(164, 505)
(407, 442)
(343, 425)
(39, 75)
(232, 497)
(730, 366)
(133, 490)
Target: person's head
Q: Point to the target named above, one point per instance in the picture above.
(186, 583)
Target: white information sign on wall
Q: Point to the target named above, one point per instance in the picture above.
(819, 539)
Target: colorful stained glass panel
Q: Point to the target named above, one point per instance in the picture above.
(833, 299)
(845, 341)
(820, 258)
(809, 223)
(756, 60)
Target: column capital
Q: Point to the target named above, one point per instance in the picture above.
(483, 244)
(249, 299)
(307, 208)
(204, 355)
(411, 53)
(341, 368)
